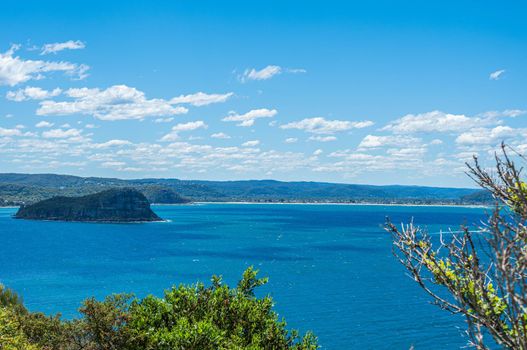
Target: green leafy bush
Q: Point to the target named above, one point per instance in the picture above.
(187, 317)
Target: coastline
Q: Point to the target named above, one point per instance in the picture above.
(482, 206)
(345, 204)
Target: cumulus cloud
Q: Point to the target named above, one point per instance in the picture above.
(118, 102)
(250, 117)
(113, 164)
(112, 143)
(56, 47)
(15, 70)
(435, 121)
(291, 140)
(44, 124)
(497, 74)
(61, 133)
(374, 141)
(10, 132)
(320, 125)
(406, 152)
(189, 126)
(176, 129)
(488, 136)
(251, 143)
(512, 113)
(220, 135)
(359, 161)
(201, 99)
(164, 120)
(320, 138)
(32, 93)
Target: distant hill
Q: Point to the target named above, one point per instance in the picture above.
(114, 205)
(28, 188)
(478, 197)
(161, 194)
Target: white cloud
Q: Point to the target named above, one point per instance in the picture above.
(466, 156)
(512, 113)
(32, 93)
(406, 152)
(486, 136)
(251, 143)
(201, 98)
(291, 140)
(113, 164)
(320, 125)
(10, 132)
(189, 126)
(373, 141)
(249, 118)
(220, 135)
(112, 143)
(68, 45)
(497, 74)
(318, 152)
(164, 120)
(262, 74)
(15, 70)
(436, 142)
(354, 162)
(118, 102)
(435, 121)
(174, 134)
(322, 138)
(61, 134)
(44, 124)
(267, 73)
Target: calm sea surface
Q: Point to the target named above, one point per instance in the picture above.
(330, 266)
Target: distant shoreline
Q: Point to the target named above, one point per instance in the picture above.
(339, 203)
(314, 203)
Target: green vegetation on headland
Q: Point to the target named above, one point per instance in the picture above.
(114, 205)
(187, 317)
(28, 188)
(12, 194)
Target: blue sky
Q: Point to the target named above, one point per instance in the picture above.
(385, 92)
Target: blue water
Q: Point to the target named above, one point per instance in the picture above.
(330, 267)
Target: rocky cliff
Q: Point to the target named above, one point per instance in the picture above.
(115, 205)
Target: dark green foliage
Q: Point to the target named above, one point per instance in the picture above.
(114, 205)
(187, 317)
(8, 298)
(161, 195)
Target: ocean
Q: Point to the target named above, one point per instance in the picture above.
(330, 267)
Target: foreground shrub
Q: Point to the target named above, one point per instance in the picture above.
(187, 317)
